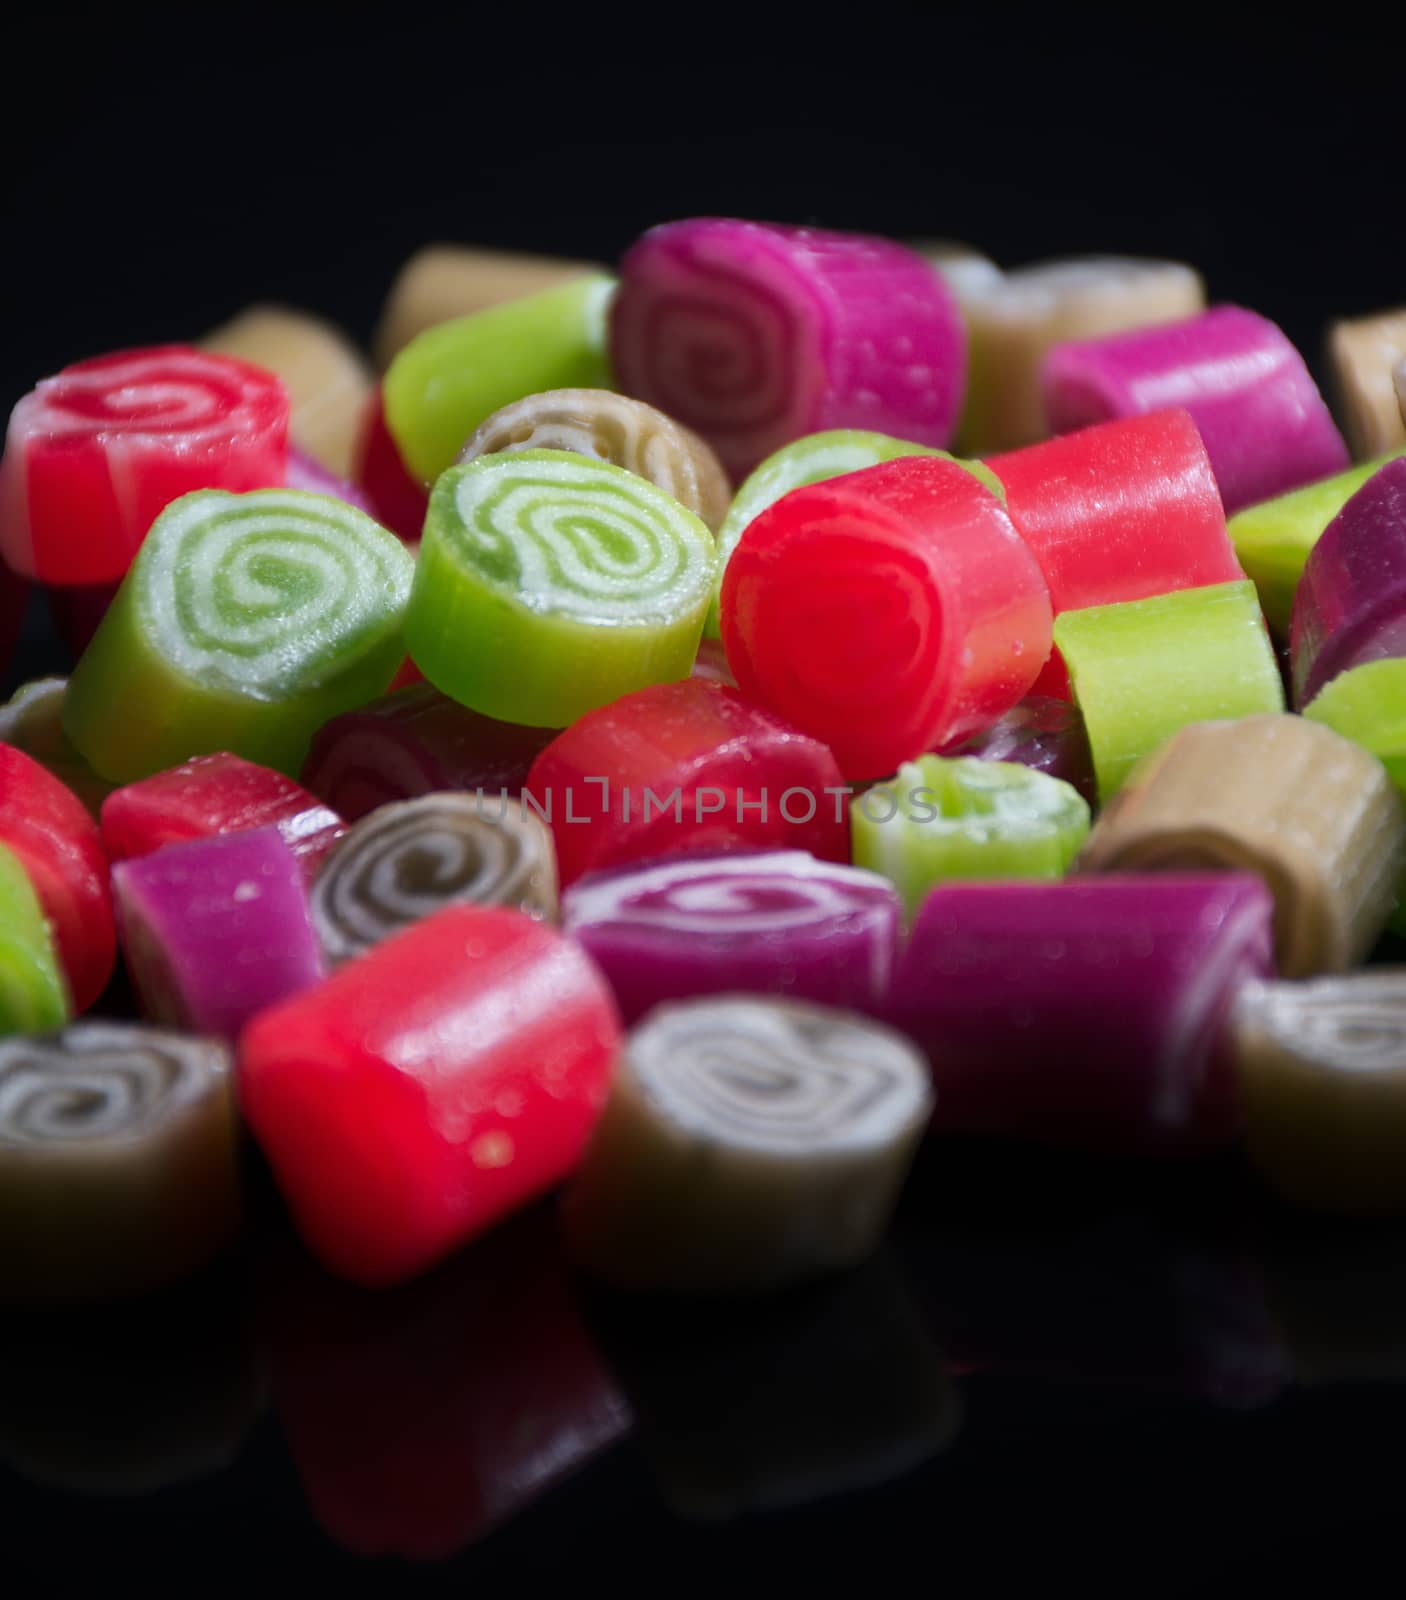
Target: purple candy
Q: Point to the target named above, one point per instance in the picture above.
(1043, 733)
(1350, 606)
(1090, 1012)
(777, 922)
(307, 474)
(216, 930)
(1264, 423)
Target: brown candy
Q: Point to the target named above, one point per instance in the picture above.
(1365, 353)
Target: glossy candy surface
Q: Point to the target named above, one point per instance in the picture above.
(1042, 732)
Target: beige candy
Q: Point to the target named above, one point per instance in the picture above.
(1364, 353)
(966, 270)
(1314, 814)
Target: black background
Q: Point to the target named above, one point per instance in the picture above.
(167, 169)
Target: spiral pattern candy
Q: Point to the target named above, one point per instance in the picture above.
(245, 623)
(404, 862)
(95, 453)
(118, 1158)
(549, 584)
(747, 1144)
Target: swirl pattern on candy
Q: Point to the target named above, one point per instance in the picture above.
(753, 334)
(404, 862)
(107, 444)
(33, 993)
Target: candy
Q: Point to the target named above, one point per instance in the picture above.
(324, 374)
(398, 500)
(967, 271)
(1350, 607)
(1367, 704)
(584, 580)
(405, 861)
(777, 922)
(747, 1144)
(33, 992)
(94, 454)
(420, 1093)
(1141, 669)
(752, 335)
(1364, 353)
(415, 742)
(119, 1159)
(444, 281)
(1014, 320)
(1264, 423)
(965, 818)
(216, 930)
(32, 721)
(888, 612)
(245, 623)
(1314, 815)
(627, 433)
(1043, 733)
(54, 837)
(313, 478)
(449, 379)
(217, 794)
(685, 767)
(1089, 1012)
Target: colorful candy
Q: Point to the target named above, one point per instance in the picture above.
(32, 721)
(1141, 669)
(398, 499)
(420, 1093)
(1043, 733)
(753, 334)
(584, 580)
(889, 612)
(1367, 704)
(313, 478)
(33, 991)
(747, 1144)
(405, 861)
(1265, 425)
(245, 623)
(94, 454)
(1364, 352)
(968, 272)
(1313, 814)
(777, 922)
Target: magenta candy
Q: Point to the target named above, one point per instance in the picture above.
(777, 922)
(216, 930)
(1350, 605)
(1264, 423)
(1043, 733)
(307, 474)
(1090, 1012)
(754, 334)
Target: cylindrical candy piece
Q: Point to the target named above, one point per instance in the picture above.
(245, 623)
(33, 990)
(965, 818)
(405, 861)
(1323, 1080)
(1367, 704)
(398, 498)
(609, 427)
(1089, 1012)
(1309, 811)
(1141, 669)
(32, 721)
(445, 1078)
(1044, 733)
(216, 930)
(451, 377)
(325, 376)
(549, 584)
(1350, 607)
(753, 334)
(94, 454)
(777, 922)
(888, 613)
(685, 767)
(747, 1144)
(1365, 352)
(119, 1159)
(1264, 422)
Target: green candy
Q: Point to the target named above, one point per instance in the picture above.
(1273, 539)
(1142, 669)
(33, 994)
(454, 375)
(960, 817)
(246, 621)
(549, 584)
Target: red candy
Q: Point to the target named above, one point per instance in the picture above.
(888, 612)
(48, 828)
(217, 794)
(397, 500)
(93, 454)
(430, 1087)
(684, 767)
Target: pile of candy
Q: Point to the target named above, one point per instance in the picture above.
(634, 655)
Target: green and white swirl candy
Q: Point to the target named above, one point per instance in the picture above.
(549, 584)
(246, 621)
